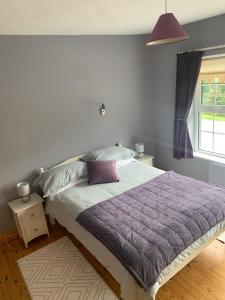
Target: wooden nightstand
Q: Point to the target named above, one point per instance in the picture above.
(146, 158)
(29, 217)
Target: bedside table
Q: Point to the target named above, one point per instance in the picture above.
(29, 217)
(146, 158)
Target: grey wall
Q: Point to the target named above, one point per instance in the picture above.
(49, 93)
(49, 89)
(162, 62)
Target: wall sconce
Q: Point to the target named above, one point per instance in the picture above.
(102, 109)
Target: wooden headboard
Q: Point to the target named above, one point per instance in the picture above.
(75, 158)
(67, 161)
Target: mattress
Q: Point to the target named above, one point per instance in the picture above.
(67, 205)
(82, 196)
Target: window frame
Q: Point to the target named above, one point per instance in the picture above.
(200, 108)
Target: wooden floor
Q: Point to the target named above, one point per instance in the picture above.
(202, 279)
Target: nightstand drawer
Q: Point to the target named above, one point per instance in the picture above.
(29, 217)
(146, 159)
(32, 214)
(35, 229)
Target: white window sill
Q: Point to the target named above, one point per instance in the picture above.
(209, 157)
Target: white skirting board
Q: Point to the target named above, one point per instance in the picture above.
(221, 238)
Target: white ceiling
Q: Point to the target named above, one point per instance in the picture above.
(76, 17)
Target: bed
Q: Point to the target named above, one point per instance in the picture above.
(70, 203)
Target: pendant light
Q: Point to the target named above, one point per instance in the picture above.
(167, 30)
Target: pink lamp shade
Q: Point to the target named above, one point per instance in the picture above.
(167, 30)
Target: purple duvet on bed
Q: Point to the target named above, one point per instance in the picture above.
(148, 226)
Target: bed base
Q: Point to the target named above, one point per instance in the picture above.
(104, 273)
(107, 276)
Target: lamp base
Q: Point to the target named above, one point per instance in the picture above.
(26, 199)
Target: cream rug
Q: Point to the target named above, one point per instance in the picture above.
(59, 271)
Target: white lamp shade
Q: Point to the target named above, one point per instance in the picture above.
(23, 188)
(139, 147)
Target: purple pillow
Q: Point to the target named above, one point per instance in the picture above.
(102, 171)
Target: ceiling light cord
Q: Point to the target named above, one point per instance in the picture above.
(166, 6)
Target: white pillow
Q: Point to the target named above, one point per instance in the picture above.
(124, 162)
(116, 153)
(66, 187)
(54, 179)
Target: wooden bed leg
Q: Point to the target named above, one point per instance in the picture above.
(51, 220)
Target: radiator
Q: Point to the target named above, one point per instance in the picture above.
(217, 174)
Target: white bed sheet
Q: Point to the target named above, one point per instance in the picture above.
(82, 196)
(67, 205)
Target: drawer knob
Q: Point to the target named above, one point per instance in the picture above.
(32, 215)
(35, 229)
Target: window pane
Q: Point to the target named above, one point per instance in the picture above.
(206, 141)
(219, 123)
(208, 94)
(219, 143)
(220, 101)
(206, 121)
(220, 94)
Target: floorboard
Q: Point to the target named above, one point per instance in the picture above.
(202, 279)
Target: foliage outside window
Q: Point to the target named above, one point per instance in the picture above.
(210, 114)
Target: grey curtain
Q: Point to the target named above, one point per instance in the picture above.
(188, 68)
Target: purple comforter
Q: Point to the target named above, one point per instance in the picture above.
(148, 226)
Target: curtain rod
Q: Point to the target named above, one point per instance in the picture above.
(205, 49)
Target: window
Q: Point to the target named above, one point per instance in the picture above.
(210, 108)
